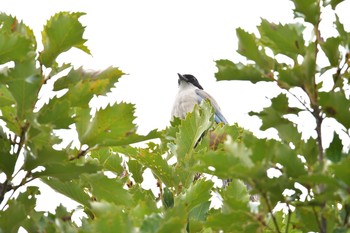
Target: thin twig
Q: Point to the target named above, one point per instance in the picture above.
(289, 217)
(24, 181)
(271, 212)
(304, 104)
(317, 219)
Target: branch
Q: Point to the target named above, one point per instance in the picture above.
(26, 179)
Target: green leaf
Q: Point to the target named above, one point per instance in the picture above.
(71, 189)
(168, 198)
(9, 115)
(175, 220)
(62, 32)
(334, 151)
(17, 41)
(308, 68)
(341, 171)
(344, 35)
(24, 83)
(333, 3)
(57, 112)
(306, 219)
(137, 170)
(235, 197)
(196, 194)
(7, 160)
(237, 221)
(6, 97)
(14, 48)
(83, 85)
(309, 150)
(260, 148)
(248, 47)
(283, 39)
(109, 160)
(151, 223)
(152, 158)
(110, 218)
(308, 9)
(18, 210)
(44, 156)
(198, 216)
(288, 158)
(291, 77)
(331, 49)
(336, 105)
(67, 171)
(273, 116)
(227, 70)
(145, 205)
(105, 189)
(191, 130)
(233, 162)
(112, 126)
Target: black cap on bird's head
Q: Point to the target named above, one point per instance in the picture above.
(189, 78)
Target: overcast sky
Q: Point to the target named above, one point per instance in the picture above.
(152, 41)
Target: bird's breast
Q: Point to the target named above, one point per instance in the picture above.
(184, 103)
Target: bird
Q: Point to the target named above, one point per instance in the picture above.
(190, 93)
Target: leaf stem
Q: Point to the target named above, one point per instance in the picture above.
(289, 217)
(271, 212)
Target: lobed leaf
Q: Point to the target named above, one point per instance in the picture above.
(283, 39)
(7, 160)
(307, 9)
(109, 160)
(336, 105)
(17, 41)
(70, 188)
(334, 151)
(106, 189)
(191, 130)
(110, 218)
(57, 112)
(331, 49)
(196, 194)
(112, 126)
(24, 83)
(82, 85)
(248, 47)
(227, 70)
(62, 32)
(6, 97)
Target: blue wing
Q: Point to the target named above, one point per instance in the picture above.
(218, 117)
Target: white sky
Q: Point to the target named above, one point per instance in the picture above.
(153, 40)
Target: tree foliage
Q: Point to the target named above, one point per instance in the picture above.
(309, 190)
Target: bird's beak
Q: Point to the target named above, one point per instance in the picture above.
(181, 77)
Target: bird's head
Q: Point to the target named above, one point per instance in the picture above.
(189, 78)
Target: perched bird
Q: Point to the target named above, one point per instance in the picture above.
(191, 93)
